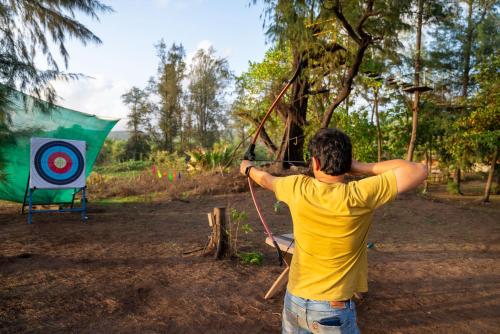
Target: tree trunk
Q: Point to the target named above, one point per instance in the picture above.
(379, 135)
(292, 145)
(487, 189)
(218, 243)
(416, 98)
(457, 180)
(428, 162)
(347, 86)
(467, 52)
(497, 192)
(465, 76)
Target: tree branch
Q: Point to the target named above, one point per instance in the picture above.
(320, 53)
(368, 13)
(262, 134)
(347, 86)
(337, 10)
(319, 91)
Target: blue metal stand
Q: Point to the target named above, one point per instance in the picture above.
(82, 209)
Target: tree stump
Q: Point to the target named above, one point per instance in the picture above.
(218, 241)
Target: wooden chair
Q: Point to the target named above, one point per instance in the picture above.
(286, 244)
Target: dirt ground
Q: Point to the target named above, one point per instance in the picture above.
(434, 269)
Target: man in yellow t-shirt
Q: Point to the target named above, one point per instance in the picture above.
(331, 220)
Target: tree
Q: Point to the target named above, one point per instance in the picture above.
(137, 100)
(460, 45)
(484, 121)
(26, 30)
(208, 78)
(416, 94)
(256, 89)
(328, 41)
(171, 73)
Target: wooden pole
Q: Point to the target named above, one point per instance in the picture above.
(222, 235)
(489, 182)
(379, 134)
(416, 97)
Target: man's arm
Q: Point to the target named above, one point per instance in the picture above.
(263, 179)
(408, 174)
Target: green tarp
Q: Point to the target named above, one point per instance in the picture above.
(34, 118)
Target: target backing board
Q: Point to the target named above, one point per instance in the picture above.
(57, 163)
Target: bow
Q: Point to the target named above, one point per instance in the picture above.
(250, 155)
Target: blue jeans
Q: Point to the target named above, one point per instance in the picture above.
(305, 316)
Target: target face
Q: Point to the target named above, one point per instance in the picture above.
(57, 163)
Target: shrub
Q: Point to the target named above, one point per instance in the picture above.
(255, 258)
(168, 160)
(120, 167)
(237, 218)
(452, 188)
(216, 158)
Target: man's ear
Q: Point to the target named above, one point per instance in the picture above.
(316, 165)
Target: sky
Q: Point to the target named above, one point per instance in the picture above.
(127, 56)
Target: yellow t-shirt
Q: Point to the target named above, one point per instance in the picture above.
(330, 226)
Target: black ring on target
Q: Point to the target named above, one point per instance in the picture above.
(74, 175)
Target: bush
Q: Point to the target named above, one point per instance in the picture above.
(112, 151)
(216, 158)
(255, 258)
(121, 167)
(168, 160)
(452, 188)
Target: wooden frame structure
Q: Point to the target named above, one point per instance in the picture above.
(286, 242)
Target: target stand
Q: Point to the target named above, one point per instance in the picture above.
(56, 164)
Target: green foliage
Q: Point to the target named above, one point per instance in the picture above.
(361, 132)
(246, 228)
(475, 136)
(112, 151)
(256, 89)
(255, 258)
(137, 100)
(214, 159)
(452, 188)
(277, 206)
(238, 216)
(171, 72)
(29, 28)
(237, 219)
(208, 77)
(137, 147)
(123, 167)
(170, 160)
(484, 122)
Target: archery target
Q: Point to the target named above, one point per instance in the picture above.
(57, 163)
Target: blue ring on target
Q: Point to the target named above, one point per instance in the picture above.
(42, 162)
(45, 162)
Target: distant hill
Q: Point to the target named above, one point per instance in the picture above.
(119, 135)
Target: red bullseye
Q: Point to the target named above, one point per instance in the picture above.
(59, 162)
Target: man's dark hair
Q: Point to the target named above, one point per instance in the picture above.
(333, 149)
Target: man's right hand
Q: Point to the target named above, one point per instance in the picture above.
(359, 168)
(408, 174)
(356, 168)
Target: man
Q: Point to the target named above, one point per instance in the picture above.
(331, 220)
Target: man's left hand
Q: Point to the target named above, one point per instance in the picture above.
(244, 165)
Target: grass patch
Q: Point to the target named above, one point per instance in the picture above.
(123, 167)
(452, 188)
(255, 258)
(125, 200)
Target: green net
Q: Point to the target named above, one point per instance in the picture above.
(31, 117)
